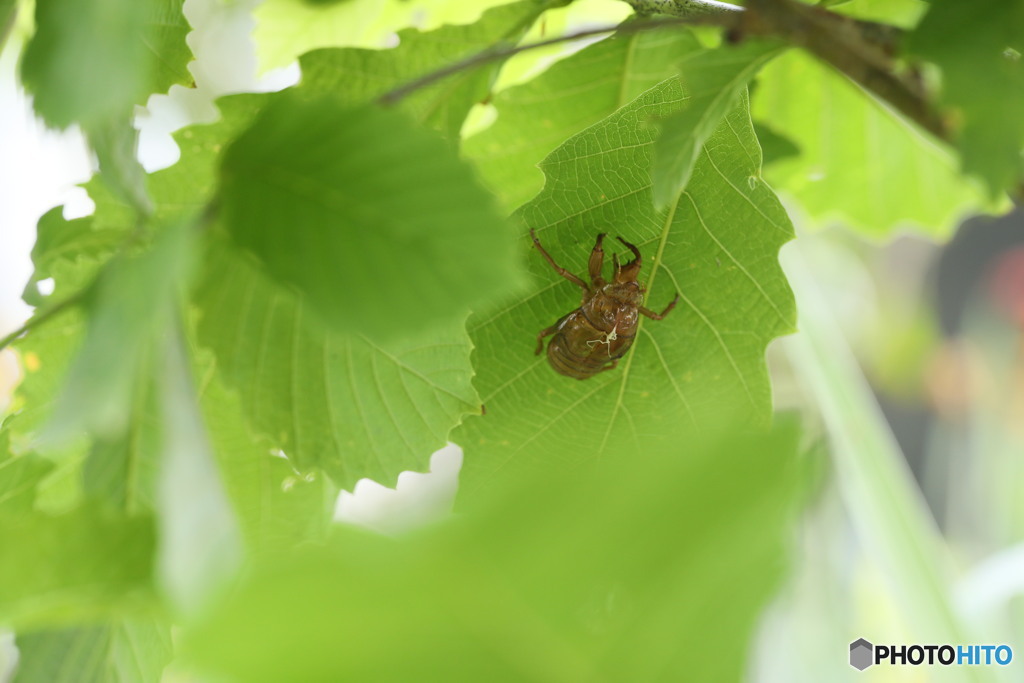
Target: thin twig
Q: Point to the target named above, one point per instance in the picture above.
(496, 53)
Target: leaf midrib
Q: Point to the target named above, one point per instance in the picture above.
(666, 228)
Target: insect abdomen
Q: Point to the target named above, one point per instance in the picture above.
(565, 362)
(577, 349)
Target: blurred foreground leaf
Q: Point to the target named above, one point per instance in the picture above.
(859, 163)
(83, 563)
(375, 222)
(89, 61)
(46, 355)
(8, 13)
(713, 80)
(716, 246)
(576, 92)
(115, 142)
(129, 310)
(122, 651)
(19, 477)
(647, 566)
(981, 80)
(123, 469)
(200, 543)
(902, 13)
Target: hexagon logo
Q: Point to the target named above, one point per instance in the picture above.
(861, 654)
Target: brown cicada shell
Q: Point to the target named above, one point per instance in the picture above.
(596, 335)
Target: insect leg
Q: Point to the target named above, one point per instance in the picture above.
(629, 271)
(658, 316)
(543, 333)
(610, 366)
(597, 263)
(558, 269)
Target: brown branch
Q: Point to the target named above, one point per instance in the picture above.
(884, 37)
(862, 50)
(840, 42)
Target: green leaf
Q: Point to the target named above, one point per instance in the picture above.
(115, 142)
(8, 13)
(980, 80)
(349, 405)
(130, 306)
(601, 576)
(73, 253)
(46, 353)
(19, 477)
(200, 542)
(287, 29)
(60, 240)
(122, 470)
(716, 246)
(168, 54)
(413, 393)
(358, 76)
(277, 507)
(713, 81)
(375, 222)
(122, 651)
(90, 61)
(574, 93)
(860, 163)
(190, 184)
(902, 13)
(117, 468)
(774, 146)
(82, 563)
